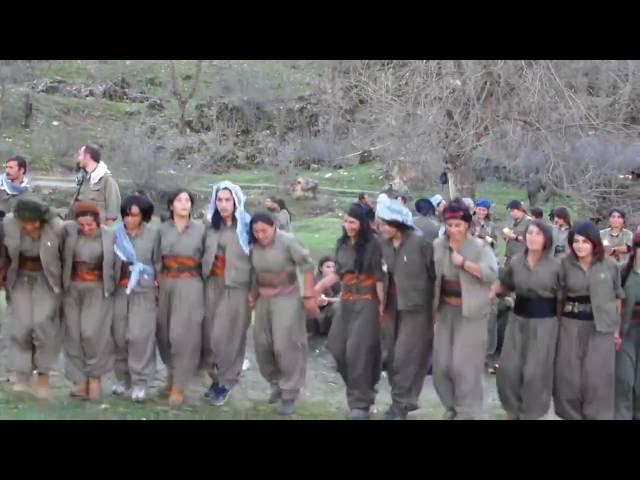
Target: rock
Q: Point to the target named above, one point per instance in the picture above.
(155, 105)
(304, 188)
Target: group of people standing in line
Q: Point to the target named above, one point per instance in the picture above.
(398, 295)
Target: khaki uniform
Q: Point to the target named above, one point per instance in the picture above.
(409, 317)
(87, 304)
(279, 329)
(627, 399)
(514, 247)
(34, 328)
(485, 229)
(560, 242)
(136, 315)
(8, 202)
(429, 226)
(585, 360)
(623, 238)
(181, 302)
(525, 377)
(105, 193)
(460, 337)
(283, 220)
(354, 338)
(227, 269)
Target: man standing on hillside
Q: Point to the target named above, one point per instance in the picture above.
(96, 184)
(13, 184)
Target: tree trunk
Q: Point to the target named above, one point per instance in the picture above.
(461, 180)
(28, 108)
(182, 108)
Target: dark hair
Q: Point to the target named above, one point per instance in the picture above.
(618, 211)
(259, 217)
(424, 207)
(174, 195)
(589, 231)
(537, 213)
(325, 259)
(93, 151)
(88, 213)
(142, 202)
(563, 214)
(216, 218)
(547, 233)
(283, 206)
(21, 161)
(552, 214)
(457, 209)
(365, 235)
(632, 258)
(361, 196)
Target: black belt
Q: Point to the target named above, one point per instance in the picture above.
(535, 307)
(578, 308)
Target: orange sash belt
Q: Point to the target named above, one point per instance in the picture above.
(180, 267)
(30, 264)
(86, 272)
(217, 269)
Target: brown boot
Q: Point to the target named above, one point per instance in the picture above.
(80, 390)
(42, 386)
(165, 391)
(176, 398)
(22, 383)
(95, 388)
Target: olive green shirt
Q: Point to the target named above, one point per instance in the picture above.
(237, 270)
(623, 238)
(631, 298)
(429, 226)
(519, 228)
(105, 193)
(146, 244)
(283, 220)
(284, 254)
(541, 281)
(485, 229)
(188, 243)
(601, 282)
(560, 241)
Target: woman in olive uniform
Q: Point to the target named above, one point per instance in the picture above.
(354, 339)
(585, 360)
(525, 378)
(408, 258)
(88, 281)
(284, 216)
(227, 268)
(483, 227)
(279, 330)
(627, 403)
(617, 239)
(138, 264)
(329, 298)
(465, 269)
(561, 227)
(181, 295)
(31, 271)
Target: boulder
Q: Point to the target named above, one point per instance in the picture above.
(303, 188)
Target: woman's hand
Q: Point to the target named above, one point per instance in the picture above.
(457, 259)
(252, 301)
(617, 340)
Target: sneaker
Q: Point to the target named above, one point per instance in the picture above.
(358, 414)
(213, 388)
(285, 407)
(119, 388)
(220, 396)
(138, 394)
(396, 413)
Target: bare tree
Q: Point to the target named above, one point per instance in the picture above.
(182, 97)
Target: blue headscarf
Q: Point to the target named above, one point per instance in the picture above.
(391, 209)
(242, 217)
(124, 249)
(483, 203)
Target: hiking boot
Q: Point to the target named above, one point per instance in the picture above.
(396, 413)
(119, 388)
(358, 414)
(220, 396)
(275, 396)
(95, 388)
(285, 407)
(42, 386)
(80, 390)
(138, 394)
(176, 397)
(211, 391)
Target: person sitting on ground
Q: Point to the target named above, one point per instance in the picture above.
(320, 325)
